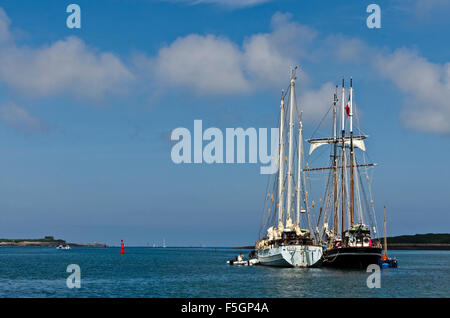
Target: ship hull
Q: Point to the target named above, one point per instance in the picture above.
(351, 257)
(291, 256)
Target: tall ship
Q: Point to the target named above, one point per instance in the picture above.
(347, 216)
(286, 237)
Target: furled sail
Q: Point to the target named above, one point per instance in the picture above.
(315, 145)
(358, 142)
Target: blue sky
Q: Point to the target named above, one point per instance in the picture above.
(86, 115)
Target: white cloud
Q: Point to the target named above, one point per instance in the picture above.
(18, 118)
(5, 22)
(270, 56)
(347, 49)
(426, 6)
(315, 103)
(427, 89)
(215, 65)
(425, 85)
(205, 64)
(226, 3)
(64, 67)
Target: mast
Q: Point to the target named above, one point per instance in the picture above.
(300, 149)
(280, 170)
(352, 158)
(335, 214)
(291, 133)
(385, 239)
(343, 161)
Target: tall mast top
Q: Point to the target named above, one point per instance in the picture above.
(291, 150)
(334, 113)
(351, 106)
(293, 78)
(343, 108)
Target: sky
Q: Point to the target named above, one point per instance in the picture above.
(86, 114)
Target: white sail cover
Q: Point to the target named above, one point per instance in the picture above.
(358, 142)
(315, 145)
(270, 234)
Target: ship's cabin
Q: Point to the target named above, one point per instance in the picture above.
(357, 236)
(290, 237)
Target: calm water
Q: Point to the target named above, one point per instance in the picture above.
(202, 272)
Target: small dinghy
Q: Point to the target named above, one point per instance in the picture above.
(240, 261)
(386, 262)
(233, 262)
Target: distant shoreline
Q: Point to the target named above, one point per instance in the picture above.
(429, 241)
(47, 244)
(46, 241)
(435, 247)
(403, 246)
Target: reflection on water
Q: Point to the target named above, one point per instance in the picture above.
(189, 272)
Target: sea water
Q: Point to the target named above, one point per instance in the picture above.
(203, 272)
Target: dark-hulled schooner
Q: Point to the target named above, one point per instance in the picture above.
(348, 241)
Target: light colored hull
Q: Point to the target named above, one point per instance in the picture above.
(291, 256)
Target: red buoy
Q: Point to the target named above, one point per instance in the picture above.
(122, 251)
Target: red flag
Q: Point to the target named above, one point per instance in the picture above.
(347, 108)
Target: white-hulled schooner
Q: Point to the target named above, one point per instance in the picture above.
(285, 243)
(345, 206)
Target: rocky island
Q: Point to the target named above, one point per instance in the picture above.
(46, 241)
